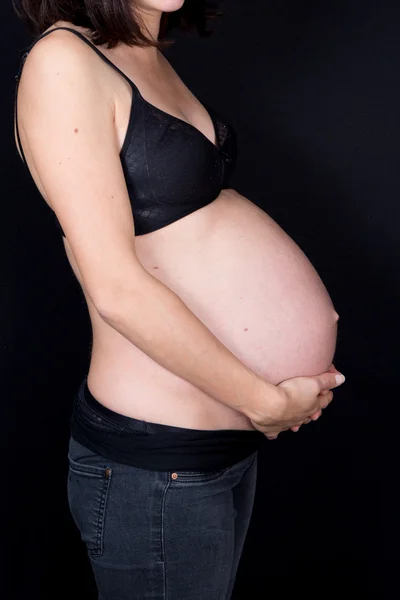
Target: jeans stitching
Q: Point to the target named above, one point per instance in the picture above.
(201, 477)
(163, 557)
(79, 468)
(102, 515)
(162, 520)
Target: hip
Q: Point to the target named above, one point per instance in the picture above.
(155, 446)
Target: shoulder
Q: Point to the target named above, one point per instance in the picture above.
(58, 52)
(60, 65)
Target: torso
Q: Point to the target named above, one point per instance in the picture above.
(241, 275)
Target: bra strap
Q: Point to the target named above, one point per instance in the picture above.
(17, 77)
(103, 56)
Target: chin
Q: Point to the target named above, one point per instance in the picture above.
(161, 5)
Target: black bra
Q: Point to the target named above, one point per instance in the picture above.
(171, 168)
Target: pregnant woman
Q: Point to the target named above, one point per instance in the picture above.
(211, 329)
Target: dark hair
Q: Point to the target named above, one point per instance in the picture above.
(114, 21)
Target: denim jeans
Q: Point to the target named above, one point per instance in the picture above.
(160, 535)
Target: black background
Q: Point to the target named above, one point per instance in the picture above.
(313, 89)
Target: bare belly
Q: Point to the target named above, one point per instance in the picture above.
(249, 283)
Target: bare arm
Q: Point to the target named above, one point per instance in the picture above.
(157, 321)
(67, 120)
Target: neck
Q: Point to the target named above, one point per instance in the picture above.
(149, 22)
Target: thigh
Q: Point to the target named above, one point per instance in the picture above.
(206, 517)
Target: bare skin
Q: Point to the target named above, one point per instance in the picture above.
(231, 264)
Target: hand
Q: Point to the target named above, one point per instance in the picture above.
(296, 400)
(328, 399)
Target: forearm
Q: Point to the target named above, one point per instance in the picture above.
(160, 324)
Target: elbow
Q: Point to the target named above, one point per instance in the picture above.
(104, 309)
(119, 294)
(114, 301)
(108, 304)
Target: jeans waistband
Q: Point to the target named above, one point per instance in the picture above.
(156, 446)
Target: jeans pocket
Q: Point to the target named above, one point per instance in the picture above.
(203, 476)
(87, 490)
(200, 476)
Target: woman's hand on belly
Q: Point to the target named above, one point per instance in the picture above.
(296, 401)
(326, 396)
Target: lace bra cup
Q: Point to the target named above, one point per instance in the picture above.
(171, 168)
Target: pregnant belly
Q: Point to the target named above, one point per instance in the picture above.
(255, 289)
(250, 284)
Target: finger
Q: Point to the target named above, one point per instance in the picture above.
(316, 415)
(306, 421)
(296, 427)
(325, 399)
(272, 433)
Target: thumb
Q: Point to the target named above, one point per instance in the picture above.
(329, 380)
